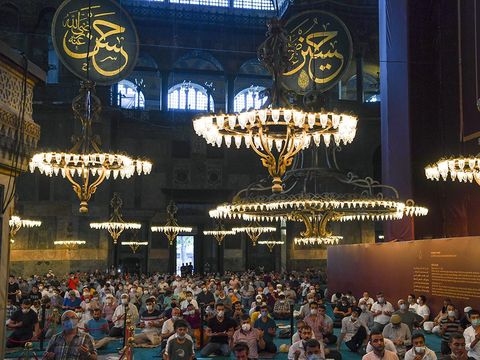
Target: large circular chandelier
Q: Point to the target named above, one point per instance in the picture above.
(16, 223)
(277, 134)
(219, 234)
(254, 230)
(462, 169)
(171, 229)
(115, 225)
(85, 165)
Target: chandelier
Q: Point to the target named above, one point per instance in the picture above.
(16, 223)
(171, 229)
(85, 165)
(135, 245)
(219, 234)
(116, 225)
(276, 135)
(271, 243)
(462, 169)
(69, 244)
(320, 240)
(254, 230)
(279, 132)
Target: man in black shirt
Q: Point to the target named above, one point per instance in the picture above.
(12, 289)
(220, 330)
(24, 322)
(35, 294)
(205, 297)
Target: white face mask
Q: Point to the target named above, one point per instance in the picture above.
(220, 313)
(150, 307)
(381, 300)
(124, 301)
(25, 310)
(313, 311)
(246, 327)
(403, 306)
(451, 313)
(418, 301)
(420, 349)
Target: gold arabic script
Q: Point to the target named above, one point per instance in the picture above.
(90, 26)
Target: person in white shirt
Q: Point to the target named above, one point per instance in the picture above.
(118, 316)
(367, 300)
(366, 316)
(353, 331)
(297, 350)
(389, 345)
(472, 335)
(379, 352)
(419, 351)
(412, 303)
(382, 310)
(423, 310)
(297, 336)
(188, 300)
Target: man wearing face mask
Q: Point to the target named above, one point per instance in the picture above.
(250, 336)
(448, 326)
(472, 335)
(168, 328)
(188, 300)
(24, 323)
(342, 309)
(366, 316)
(314, 350)
(315, 321)
(151, 322)
(353, 331)
(205, 297)
(70, 343)
(305, 308)
(268, 327)
(399, 334)
(408, 317)
(382, 310)
(379, 352)
(219, 330)
(281, 309)
(118, 317)
(419, 351)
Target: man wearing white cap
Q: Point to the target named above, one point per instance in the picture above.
(118, 317)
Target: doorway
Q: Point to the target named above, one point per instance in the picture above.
(184, 251)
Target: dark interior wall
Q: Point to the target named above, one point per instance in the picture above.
(435, 115)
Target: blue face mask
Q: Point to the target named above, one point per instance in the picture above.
(264, 313)
(70, 324)
(475, 322)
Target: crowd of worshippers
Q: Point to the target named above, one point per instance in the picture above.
(233, 312)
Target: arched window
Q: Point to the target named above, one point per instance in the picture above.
(249, 99)
(130, 96)
(189, 96)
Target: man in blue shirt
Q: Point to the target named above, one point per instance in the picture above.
(269, 328)
(72, 301)
(97, 327)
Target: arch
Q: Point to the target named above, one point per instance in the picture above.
(10, 15)
(145, 60)
(249, 98)
(189, 96)
(253, 67)
(198, 60)
(371, 86)
(129, 95)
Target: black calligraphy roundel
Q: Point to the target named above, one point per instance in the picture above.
(319, 51)
(95, 39)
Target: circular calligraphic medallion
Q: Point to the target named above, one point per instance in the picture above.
(319, 51)
(95, 39)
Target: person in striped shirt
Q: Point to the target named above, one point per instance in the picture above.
(448, 326)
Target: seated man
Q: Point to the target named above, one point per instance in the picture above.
(151, 322)
(268, 326)
(71, 301)
(457, 348)
(237, 312)
(314, 349)
(219, 330)
(409, 318)
(424, 311)
(168, 327)
(297, 336)
(399, 334)
(180, 345)
(342, 310)
(192, 317)
(305, 308)
(281, 308)
(315, 321)
(327, 326)
(449, 326)
(353, 331)
(366, 316)
(24, 323)
(379, 352)
(389, 345)
(118, 317)
(297, 349)
(472, 341)
(382, 310)
(419, 351)
(98, 328)
(240, 351)
(250, 336)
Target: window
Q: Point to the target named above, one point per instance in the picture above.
(185, 251)
(223, 3)
(129, 95)
(374, 98)
(254, 4)
(189, 96)
(249, 99)
(52, 72)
